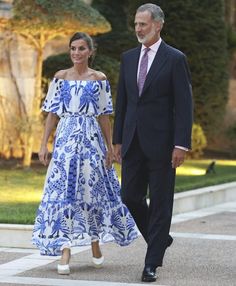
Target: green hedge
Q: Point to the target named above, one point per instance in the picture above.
(199, 142)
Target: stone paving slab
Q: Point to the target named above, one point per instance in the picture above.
(7, 284)
(223, 223)
(122, 264)
(63, 282)
(205, 257)
(7, 257)
(191, 262)
(199, 262)
(10, 284)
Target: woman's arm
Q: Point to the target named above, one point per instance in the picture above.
(50, 124)
(105, 124)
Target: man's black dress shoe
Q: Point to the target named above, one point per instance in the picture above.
(169, 241)
(149, 274)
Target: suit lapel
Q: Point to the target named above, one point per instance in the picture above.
(157, 65)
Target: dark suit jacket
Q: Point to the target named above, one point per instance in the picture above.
(162, 115)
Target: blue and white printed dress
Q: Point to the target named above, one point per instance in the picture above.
(81, 199)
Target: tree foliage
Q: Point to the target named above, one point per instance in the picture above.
(114, 11)
(121, 38)
(62, 17)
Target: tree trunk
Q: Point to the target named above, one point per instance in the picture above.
(230, 14)
(38, 83)
(29, 141)
(34, 117)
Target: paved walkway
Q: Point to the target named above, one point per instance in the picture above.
(203, 254)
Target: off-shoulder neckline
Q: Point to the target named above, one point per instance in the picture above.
(87, 80)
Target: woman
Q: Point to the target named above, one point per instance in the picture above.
(81, 202)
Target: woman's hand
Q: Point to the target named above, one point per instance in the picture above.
(109, 158)
(44, 155)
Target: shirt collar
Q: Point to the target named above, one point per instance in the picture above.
(153, 47)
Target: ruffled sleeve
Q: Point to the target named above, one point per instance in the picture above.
(54, 99)
(105, 99)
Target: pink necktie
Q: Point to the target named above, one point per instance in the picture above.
(143, 70)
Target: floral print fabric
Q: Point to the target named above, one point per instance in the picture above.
(81, 199)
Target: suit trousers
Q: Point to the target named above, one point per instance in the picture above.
(142, 175)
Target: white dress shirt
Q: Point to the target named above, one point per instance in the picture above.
(151, 55)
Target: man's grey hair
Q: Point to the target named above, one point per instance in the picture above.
(156, 12)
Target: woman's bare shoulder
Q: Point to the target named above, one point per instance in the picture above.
(98, 75)
(61, 74)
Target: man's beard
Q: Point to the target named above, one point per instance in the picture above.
(146, 38)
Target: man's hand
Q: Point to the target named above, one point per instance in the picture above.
(117, 153)
(178, 157)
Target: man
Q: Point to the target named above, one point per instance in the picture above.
(152, 131)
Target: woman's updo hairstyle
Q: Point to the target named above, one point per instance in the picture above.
(82, 36)
(87, 39)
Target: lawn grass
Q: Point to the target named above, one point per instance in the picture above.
(21, 190)
(20, 193)
(192, 174)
